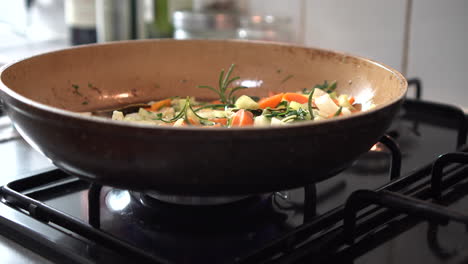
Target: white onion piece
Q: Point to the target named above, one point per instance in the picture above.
(318, 92)
(345, 111)
(261, 121)
(179, 122)
(276, 122)
(326, 105)
(117, 115)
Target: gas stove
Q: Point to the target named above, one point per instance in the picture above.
(402, 202)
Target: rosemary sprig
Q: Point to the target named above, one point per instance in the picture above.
(226, 94)
(309, 105)
(210, 106)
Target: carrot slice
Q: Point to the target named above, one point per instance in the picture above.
(351, 100)
(216, 102)
(336, 102)
(302, 99)
(242, 118)
(222, 121)
(160, 104)
(271, 101)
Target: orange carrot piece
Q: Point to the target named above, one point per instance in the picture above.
(242, 118)
(351, 100)
(302, 99)
(160, 104)
(216, 102)
(271, 101)
(222, 121)
(336, 102)
(193, 122)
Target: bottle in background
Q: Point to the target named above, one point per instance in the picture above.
(80, 17)
(117, 20)
(158, 16)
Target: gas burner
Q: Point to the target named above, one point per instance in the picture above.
(194, 200)
(208, 212)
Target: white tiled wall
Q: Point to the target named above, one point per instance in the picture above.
(438, 52)
(370, 28)
(285, 8)
(439, 49)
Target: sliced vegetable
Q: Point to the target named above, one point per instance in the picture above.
(179, 123)
(277, 122)
(117, 115)
(345, 111)
(325, 104)
(245, 102)
(295, 105)
(295, 97)
(271, 101)
(318, 92)
(261, 121)
(160, 104)
(242, 118)
(221, 121)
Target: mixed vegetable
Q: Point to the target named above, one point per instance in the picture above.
(319, 103)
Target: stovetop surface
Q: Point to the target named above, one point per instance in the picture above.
(225, 234)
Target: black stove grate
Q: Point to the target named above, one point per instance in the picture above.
(19, 195)
(323, 247)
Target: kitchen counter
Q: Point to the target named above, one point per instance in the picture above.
(12, 154)
(17, 158)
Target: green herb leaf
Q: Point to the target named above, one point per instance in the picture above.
(332, 87)
(233, 90)
(228, 75)
(231, 81)
(287, 78)
(210, 106)
(282, 104)
(224, 82)
(76, 87)
(338, 112)
(209, 87)
(309, 105)
(329, 88)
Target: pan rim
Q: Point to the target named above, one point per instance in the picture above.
(109, 122)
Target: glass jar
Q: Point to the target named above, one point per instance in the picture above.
(205, 25)
(267, 28)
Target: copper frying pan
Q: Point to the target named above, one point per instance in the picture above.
(43, 94)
